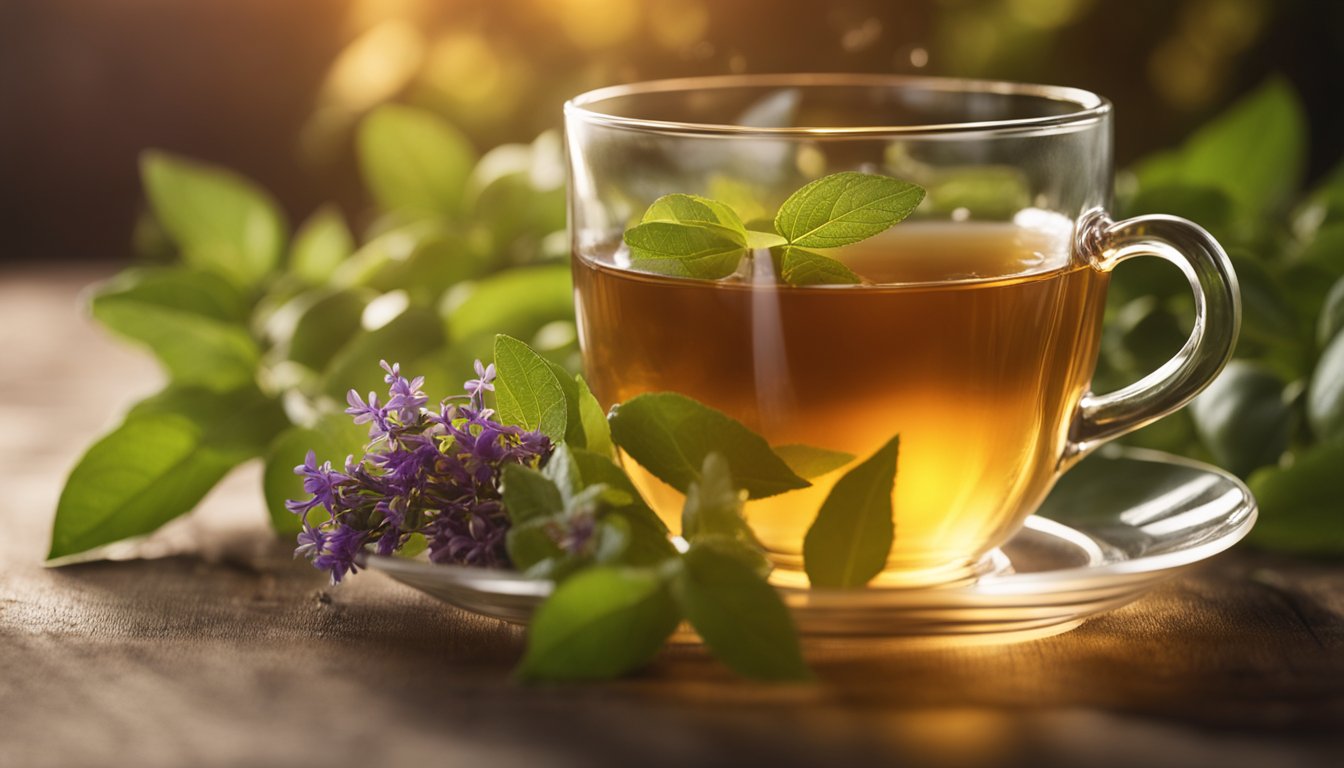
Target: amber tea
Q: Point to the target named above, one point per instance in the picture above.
(973, 341)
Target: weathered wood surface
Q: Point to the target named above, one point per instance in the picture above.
(221, 650)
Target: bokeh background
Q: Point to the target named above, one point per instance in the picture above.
(272, 88)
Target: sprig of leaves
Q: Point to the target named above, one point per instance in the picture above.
(696, 237)
(621, 587)
(252, 324)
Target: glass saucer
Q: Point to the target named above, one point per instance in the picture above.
(1113, 527)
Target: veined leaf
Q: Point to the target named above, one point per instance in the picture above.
(527, 392)
(845, 208)
(701, 211)
(803, 267)
(684, 250)
(670, 435)
(168, 453)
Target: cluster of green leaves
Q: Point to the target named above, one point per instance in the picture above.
(1276, 414)
(261, 331)
(622, 588)
(696, 237)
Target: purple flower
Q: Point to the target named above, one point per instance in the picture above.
(322, 482)
(339, 551)
(404, 396)
(477, 387)
(429, 472)
(368, 413)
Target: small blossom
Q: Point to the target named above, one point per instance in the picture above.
(477, 387)
(368, 413)
(434, 472)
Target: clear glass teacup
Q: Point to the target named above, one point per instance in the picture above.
(973, 332)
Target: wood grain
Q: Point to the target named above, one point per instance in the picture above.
(213, 647)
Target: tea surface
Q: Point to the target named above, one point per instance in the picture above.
(973, 341)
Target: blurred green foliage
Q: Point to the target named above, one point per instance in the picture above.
(262, 331)
(1276, 414)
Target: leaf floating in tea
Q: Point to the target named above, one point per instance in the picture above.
(670, 435)
(800, 267)
(844, 208)
(684, 250)
(848, 543)
(693, 209)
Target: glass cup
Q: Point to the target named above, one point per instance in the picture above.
(973, 335)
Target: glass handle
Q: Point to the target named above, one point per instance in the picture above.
(1217, 319)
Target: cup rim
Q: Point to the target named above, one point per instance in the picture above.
(1090, 107)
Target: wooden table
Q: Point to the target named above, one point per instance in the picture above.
(214, 647)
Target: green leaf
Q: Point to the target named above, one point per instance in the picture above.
(684, 250)
(332, 438)
(809, 461)
(670, 435)
(168, 453)
(601, 623)
(528, 494)
(801, 267)
(413, 161)
(1242, 417)
(1325, 395)
(187, 319)
(649, 544)
(596, 431)
(849, 541)
(1331, 320)
(1255, 151)
(1300, 505)
(845, 208)
(739, 616)
(516, 302)
(413, 332)
(573, 419)
(701, 211)
(527, 392)
(221, 221)
(320, 246)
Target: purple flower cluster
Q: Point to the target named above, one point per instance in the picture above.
(429, 472)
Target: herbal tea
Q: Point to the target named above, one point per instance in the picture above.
(978, 367)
